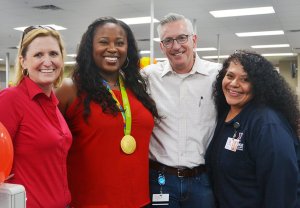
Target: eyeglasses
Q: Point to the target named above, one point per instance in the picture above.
(30, 28)
(181, 39)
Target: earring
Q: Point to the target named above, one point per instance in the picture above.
(25, 72)
(127, 63)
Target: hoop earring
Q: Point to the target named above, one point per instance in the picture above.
(25, 72)
(127, 63)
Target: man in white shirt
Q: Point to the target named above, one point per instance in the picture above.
(182, 90)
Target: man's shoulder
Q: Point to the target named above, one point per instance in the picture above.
(210, 67)
(211, 64)
(154, 68)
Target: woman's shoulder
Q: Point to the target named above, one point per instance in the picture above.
(67, 84)
(66, 94)
(266, 111)
(12, 93)
(12, 100)
(263, 114)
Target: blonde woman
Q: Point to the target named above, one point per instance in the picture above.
(40, 135)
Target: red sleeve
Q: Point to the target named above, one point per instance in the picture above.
(10, 110)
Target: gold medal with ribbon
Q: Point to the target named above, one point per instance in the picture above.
(128, 143)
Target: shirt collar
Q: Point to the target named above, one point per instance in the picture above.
(247, 109)
(198, 67)
(166, 68)
(34, 90)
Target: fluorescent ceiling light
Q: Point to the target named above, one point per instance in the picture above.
(215, 57)
(144, 52)
(242, 12)
(56, 27)
(1, 59)
(206, 49)
(70, 62)
(271, 46)
(156, 39)
(138, 20)
(279, 54)
(72, 55)
(261, 33)
(161, 59)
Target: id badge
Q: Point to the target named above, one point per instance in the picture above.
(232, 144)
(160, 199)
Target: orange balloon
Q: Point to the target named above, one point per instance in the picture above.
(6, 153)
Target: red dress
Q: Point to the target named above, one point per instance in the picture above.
(100, 174)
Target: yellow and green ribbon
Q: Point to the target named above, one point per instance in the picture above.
(126, 111)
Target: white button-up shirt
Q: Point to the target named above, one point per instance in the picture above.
(189, 115)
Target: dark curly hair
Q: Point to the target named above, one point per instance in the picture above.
(268, 86)
(88, 80)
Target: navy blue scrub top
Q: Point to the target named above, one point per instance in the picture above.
(264, 169)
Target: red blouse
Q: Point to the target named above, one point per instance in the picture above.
(100, 174)
(41, 140)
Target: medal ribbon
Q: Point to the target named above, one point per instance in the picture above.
(126, 112)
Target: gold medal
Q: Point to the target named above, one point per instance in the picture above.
(128, 144)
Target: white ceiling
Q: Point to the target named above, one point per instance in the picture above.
(76, 15)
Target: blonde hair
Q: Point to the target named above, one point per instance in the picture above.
(26, 41)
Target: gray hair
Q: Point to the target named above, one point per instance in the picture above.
(173, 17)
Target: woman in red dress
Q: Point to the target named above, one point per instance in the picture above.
(111, 117)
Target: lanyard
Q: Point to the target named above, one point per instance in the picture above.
(126, 112)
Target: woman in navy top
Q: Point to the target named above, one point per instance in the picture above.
(253, 158)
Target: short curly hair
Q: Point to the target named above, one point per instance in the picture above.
(268, 86)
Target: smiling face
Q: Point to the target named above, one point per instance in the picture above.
(181, 56)
(236, 87)
(43, 61)
(109, 48)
